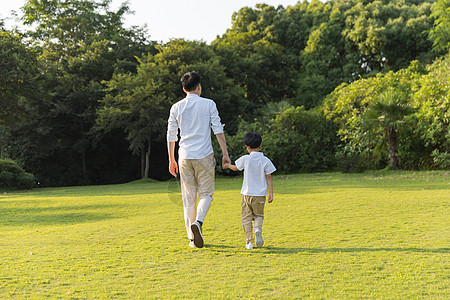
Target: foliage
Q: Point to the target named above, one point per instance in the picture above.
(14, 177)
(139, 103)
(379, 27)
(251, 57)
(139, 107)
(18, 77)
(432, 120)
(304, 51)
(301, 140)
(78, 89)
(440, 33)
(296, 140)
(419, 144)
(81, 43)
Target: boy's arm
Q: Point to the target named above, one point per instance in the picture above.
(270, 185)
(230, 166)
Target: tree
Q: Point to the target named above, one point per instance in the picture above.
(139, 103)
(253, 59)
(432, 119)
(440, 34)
(316, 46)
(139, 107)
(81, 43)
(362, 141)
(387, 115)
(389, 34)
(19, 76)
(317, 49)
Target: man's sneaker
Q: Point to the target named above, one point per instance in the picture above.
(197, 232)
(258, 237)
(249, 246)
(192, 245)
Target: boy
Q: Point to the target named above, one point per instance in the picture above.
(257, 176)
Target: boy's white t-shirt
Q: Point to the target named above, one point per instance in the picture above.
(256, 166)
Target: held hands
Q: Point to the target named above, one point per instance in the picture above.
(230, 166)
(226, 162)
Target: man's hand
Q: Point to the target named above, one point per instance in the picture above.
(270, 198)
(223, 145)
(173, 168)
(225, 161)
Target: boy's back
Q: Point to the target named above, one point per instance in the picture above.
(256, 166)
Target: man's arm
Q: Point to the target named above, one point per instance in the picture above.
(270, 185)
(172, 129)
(173, 166)
(223, 145)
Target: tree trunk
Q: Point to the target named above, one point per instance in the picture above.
(147, 160)
(142, 163)
(391, 135)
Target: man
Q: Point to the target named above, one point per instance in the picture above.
(195, 117)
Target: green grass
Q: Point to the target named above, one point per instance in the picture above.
(372, 235)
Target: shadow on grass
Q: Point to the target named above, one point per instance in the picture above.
(279, 250)
(67, 215)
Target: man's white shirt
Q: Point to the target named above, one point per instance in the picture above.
(256, 166)
(195, 117)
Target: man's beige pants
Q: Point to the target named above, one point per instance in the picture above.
(196, 175)
(252, 208)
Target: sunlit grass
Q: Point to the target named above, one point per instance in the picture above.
(372, 235)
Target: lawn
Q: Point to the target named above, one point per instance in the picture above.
(372, 235)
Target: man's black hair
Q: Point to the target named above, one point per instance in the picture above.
(190, 81)
(253, 140)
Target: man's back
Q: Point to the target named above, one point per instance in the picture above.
(195, 116)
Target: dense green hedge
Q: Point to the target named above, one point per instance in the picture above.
(13, 176)
(295, 140)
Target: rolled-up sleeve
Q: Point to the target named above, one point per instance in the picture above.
(216, 126)
(240, 163)
(172, 126)
(269, 168)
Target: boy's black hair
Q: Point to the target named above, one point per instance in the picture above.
(253, 140)
(190, 81)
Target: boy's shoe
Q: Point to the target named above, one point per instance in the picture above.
(192, 245)
(249, 246)
(197, 232)
(258, 238)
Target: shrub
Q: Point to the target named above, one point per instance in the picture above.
(301, 140)
(442, 160)
(295, 140)
(14, 177)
